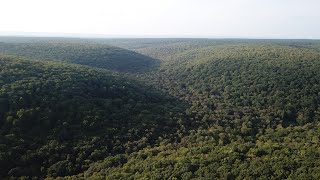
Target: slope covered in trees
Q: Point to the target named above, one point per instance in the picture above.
(275, 81)
(252, 112)
(91, 54)
(280, 153)
(256, 107)
(58, 118)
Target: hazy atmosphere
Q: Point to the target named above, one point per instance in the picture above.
(163, 90)
(165, 18)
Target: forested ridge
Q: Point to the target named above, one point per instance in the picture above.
(95, 55)
(58, 118)
(204, 109)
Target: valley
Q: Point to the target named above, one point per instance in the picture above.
(159, 108)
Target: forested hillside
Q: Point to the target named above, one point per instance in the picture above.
(276, 81)
(280, 153)
(206, 109)
(95, 55)
(254, 109)
(58, 118)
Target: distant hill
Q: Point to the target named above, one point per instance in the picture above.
(254, 108)
(57, 118)
(281, 82)
(212, 109)
(91, 54)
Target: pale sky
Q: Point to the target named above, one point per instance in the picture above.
(194, 18)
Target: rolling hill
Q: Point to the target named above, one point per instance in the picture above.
(254, 113)
(207, 109)
(90, 54)
(57, 118)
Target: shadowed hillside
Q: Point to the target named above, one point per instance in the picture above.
(94, 55)
(255, 114)
(252, 111)
(57, 118)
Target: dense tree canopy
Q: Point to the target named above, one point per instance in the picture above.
(95, 55)
(57, 118)
(208, 109)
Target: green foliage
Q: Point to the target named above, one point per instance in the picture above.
(57, 118)
(241, 83)
(247, 109)
(295, 153)
(94, 55)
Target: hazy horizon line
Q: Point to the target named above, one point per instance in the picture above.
(90, 35)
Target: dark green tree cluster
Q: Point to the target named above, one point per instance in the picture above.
(94, 55)
(271, 84)
(56, 119)
(280, 153)
(212, 109)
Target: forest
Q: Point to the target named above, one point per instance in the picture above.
(159, 108)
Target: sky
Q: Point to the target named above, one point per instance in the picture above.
(297, 19)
